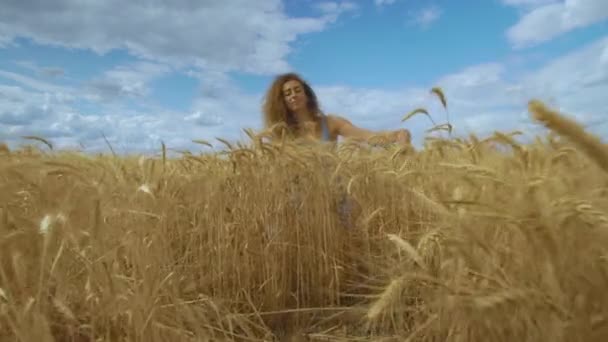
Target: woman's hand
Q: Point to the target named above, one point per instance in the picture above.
(346, 129)
(402, 137)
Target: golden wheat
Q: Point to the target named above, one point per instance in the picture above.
(460, 241)
(589, 143)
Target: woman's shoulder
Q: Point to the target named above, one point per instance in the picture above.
(336, 119)
(336, 122)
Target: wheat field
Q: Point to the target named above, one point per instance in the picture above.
(477, 239)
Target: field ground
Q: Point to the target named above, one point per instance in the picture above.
(464, 240)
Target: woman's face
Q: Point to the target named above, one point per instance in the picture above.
(294, 95)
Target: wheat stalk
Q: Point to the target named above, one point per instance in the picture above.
(439, 93)
(589, 143)
(387, 298)
(416, 112)
(42, 140)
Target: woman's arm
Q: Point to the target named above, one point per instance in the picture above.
(345, 128)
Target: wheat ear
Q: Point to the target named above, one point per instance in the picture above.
(556, 122)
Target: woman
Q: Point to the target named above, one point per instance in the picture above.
(291, 101)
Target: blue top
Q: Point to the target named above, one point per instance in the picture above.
(324, 128)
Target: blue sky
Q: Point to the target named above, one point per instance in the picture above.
(145, 72)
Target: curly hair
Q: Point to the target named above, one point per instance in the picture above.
(275, 109)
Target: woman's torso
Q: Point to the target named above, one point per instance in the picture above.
(321, 130)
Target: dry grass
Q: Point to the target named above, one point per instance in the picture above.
(457, 242)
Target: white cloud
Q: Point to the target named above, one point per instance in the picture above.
(575, 83)
(374, 107)
(36, 107)
(528, 3)
(223, 107)
(381, 3)
(4, 40)
(251, 36)
(31, 82)
(549, 19)
(476, 95)
(481, 98)
(125, 81)
(51, 72)
(425, 17)
(128, 131)
(575, 73)
(34, 111)
(604, 58)
(487, 97)
(334, 9)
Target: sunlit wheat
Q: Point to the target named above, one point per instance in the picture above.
(468, 239)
